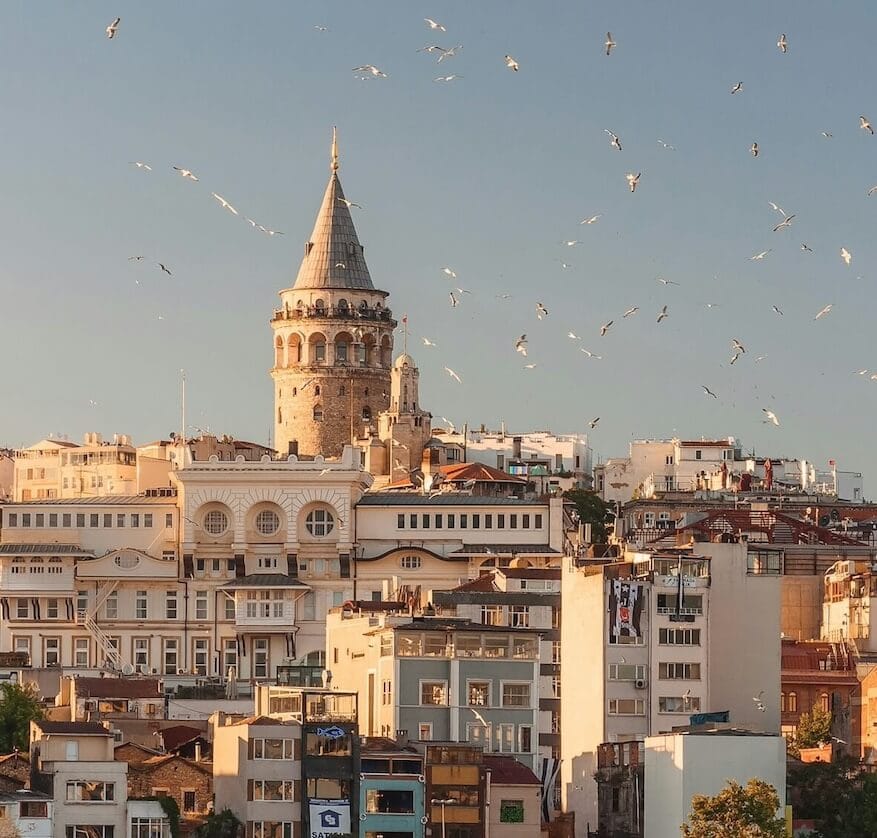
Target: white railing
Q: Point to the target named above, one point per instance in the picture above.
(112, 656)
(264, 613)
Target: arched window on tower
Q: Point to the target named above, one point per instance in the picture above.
(278, 352)
(318, 413)
(320, 306)
(279, 415)
(293, 349)
(343, 306)
(317, 390)
(405, 397)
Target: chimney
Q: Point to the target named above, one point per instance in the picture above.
(197, 751)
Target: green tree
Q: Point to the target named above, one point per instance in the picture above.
(19, 705)
(736, 812)
(814, 728)
(593, 510)
(222, 824)
(853, 813)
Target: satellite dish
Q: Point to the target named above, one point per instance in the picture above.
(127, 669)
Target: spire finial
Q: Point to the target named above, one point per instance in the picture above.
(334, 166)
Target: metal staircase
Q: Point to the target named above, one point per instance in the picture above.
(112, 656)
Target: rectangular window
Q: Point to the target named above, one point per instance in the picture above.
(81, 647)
(424, 731)
(679, 671)
(53, 519)
(111, 606)
(691, 604)
(271, 790)
(412, 520)
(500, 522)
(555, 651)
(33, 809)
(438, 522)
(537, 523)
(434, 693)
(488, 521)
(476, 521)
(140, 608)
(201, 602)
(13, 519)
(513, 522)
(87, 790)
(51, 651)
(505, 738)
(386, 692)
(120, 519)
(230, 613)
(147, 520)
(479, 734)
(229, 655)
(400, 521)
(168, 520)
(452, 521)
(52, 609)
(171, 653)
(679, 637)
(478, 693)
(148, 828)
(626, 707)
(698, 454)
(22, 608)
(626, 672)
(260, 657)
(678, 704)
(25, 519)
(555, 686)
(491, 615)
(40, 519)
(108, 519)
(515, 695)
(201, 655)
(141, 654)
(424, 521)
(135, 519)
(389, 801)
(170, 605)
(273, 749)
(519, 616)
(89, 831)
(525, 522)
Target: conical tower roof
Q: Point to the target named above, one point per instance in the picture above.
(333, 255)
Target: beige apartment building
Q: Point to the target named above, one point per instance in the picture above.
(669, 634)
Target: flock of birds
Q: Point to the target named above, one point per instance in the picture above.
(520, 345)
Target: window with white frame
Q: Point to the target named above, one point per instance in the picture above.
(90, 831)
(201, 605)
(51, 609)
(627, 707)
(215, 522)
(261, 663)
(434, 692)
(90, 791)
(22, 608)
(141, 653)
(229, 655)
(269, 829)
(478, 693)
(267, 522)
(424, 731)
(111, 606)
(555, 651)
(479, 734)
(505, 738)
(319, 522)
(525, 739)
(273, 749)
(515, 694)
(170, 605)
(171, 654)
(491, 615)
(81, 648)
(141, 608)
(51, 651)
(519, 616)
(626, 672)
(230, 608)
(679, 637)
(410, 562)
(386, 692)
(679, 671)
(272, 790)
(201, 655)
(678, 704)
(147, 828)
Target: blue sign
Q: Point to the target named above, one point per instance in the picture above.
(333, 732)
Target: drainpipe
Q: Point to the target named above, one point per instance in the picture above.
(185, 666)
(487, 805)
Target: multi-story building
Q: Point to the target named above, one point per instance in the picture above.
(392, 789)
(7, 474)
(520, 598)
(333, 339)
(620, 779)
(436, 678)
(665, 641)
(29, 812)
(73, 762)
(456, 790)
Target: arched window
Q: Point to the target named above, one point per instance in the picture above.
(320, 306)
(267, 522)
(342, 390)
(341, 348)
(782, 702)
(293, 352)
(318, 413)
(319, 522)
(278, 352)
(343, 306)
(215, 522)
(793, 702)
(825, 702)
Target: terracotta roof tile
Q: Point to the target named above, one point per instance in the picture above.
(506, 771)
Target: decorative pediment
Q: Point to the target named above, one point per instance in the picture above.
(127, 563)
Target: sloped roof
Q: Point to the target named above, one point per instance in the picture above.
(157, 761)
(507, 771)
(73, 728)
(483, 584)
(44, 550)
(478, 471)
(176, 736)
(265, 580)
(118, 688)
(333, 255)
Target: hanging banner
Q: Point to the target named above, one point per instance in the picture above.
(625, 608)
(329, 818)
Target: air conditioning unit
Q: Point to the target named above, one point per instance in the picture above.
(90, 706)
(640, 683)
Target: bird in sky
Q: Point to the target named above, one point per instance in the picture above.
(185, 173)
(593, 423)
(541, 311)
(511, 63)
(827, 134)
(630, 311)
(434, 24)
(432, 48)
(572, 243)
(737, 87)
(806, 247)
(735, 357)
(609, 43)
(708, 392)
(758, 701)
(615, 142)
(737, 346)
(605, 328)
(753, 149)
(135, 258)
(777, 208)
(113, 28)
(370, 68)
(572, 336)
(846, 255)
(451, 77)
(776, 310)
(321, 28)
(872, 190)
(449, 272)
(760, 358)
(786, 222)
(449, 53)
(349, 204)
(521, 345)
(141, 165)
(632, 180)
(759, 256)
(824, 311)
(592, 220)
(453, 375)
(865, 125)
(590, 354)
(770, 416)
(427, 342)
(663, 314)
(665, 281)
(666, 145)
(164, 268)
(341, 265)
(454, 301)
(529, 366)
(224, 204)
(783, 44)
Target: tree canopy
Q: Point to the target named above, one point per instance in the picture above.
(593, 510)
(222, 824)
(736, 812)
(814, 728)
(19, 705)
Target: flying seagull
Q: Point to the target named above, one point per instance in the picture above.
(185, 173)
(633, 180)
(449, 53)
(824, 311)
(708, 392)
(758, 701)
(370, 68)
(349, 204)
(662, 314)
(846, 255)
(593, 423)
(449, 273)
(447, 78)
(759, 256)
(453, 375)
(737, 346)
(572, 336)
(113, 28)
(786, 222)
(665, 281)
(806, 247)
(541, 311)
(872, 190)
(141, 165)
(605, 328)
(224, 204)
(737, 87)
(783, 44)
(427, 342)
(666, 145)
(631, 310)
(609, 44)
(615, 142)
(434, 24)
(164, 268)
(776, 310)
(591, 354)
(521, 345)
(135, 258)
(865, 125)
(735, 357)
(511, 63)
(592, 219)
(454, 301)
(753, 149)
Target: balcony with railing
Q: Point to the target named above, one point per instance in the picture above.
(264, 612)
(381, 315)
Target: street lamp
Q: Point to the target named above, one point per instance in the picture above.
(442, 801)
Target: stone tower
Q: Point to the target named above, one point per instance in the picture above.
(333, 339)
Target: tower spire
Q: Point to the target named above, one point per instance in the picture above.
(334, 166)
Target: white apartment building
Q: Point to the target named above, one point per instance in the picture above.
(30, 812)
(665, 640)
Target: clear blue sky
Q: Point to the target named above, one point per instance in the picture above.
(489, 174)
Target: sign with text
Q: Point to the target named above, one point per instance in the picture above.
(329, 818)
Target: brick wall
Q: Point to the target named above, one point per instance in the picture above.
(177, 775)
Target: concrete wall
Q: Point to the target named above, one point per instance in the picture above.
(680, 766)
(531, 797)
(801, 607)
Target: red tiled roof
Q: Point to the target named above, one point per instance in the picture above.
(118, 688)
(483, 584)
(374, 606)
(157, 761)
(531, 572)
(463, 472)
(506, 771)
(176, 736)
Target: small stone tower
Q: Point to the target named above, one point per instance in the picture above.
(333, 339)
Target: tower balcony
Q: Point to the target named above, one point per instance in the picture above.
(373, 315)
